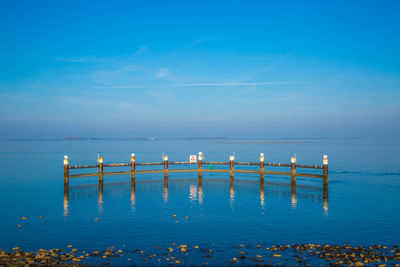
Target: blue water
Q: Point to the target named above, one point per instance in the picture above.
(362, 206)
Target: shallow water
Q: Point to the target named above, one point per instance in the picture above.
(362, 206)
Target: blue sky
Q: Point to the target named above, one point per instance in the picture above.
(258, 69)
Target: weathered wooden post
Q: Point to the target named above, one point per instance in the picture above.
(100, 161)
(262, 193)
(66, 170)
(325, 169)
(262, 167)
(200, 163)
(133, 167)
(133, 174)
(165, 171)
(66, 165)
(231, 166)
(325, 181)
(293, 169)
(325, 164)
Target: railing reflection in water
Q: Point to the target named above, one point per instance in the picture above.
(196, 192)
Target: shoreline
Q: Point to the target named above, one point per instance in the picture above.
(297, 254)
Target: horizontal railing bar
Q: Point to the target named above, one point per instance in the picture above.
(83, 175)
(310, 166)
(246, 171)
(149, 163)
(277, 164)
(310, 175)
(116, 164)
(279, 173)
(205, 170)
(247, 163)
(196, 170)
(83, 166)
(188, 163)
(192, 170)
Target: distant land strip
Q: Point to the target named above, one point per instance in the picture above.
(262, 142)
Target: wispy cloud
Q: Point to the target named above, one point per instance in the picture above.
(162, 73)
(252, 84)
(84, 59)
(88, 59)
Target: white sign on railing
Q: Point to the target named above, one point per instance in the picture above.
(192, 159)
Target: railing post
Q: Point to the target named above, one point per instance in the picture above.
(325, 169)
(133, 175)
(231, 165)
(133, 162)
(100, 161)
(66, 165)
(325, 164)
(200, 165)
(293, 169)
(262, 166)
(165, 171)
(66, 170)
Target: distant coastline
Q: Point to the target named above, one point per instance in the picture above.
(262, 142)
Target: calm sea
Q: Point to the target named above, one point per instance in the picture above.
(363, 205)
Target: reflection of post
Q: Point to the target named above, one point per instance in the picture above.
(100, 200)
(165, 195)
(231, 188)
(200, 166)
(201, 191)
(326, 192)
(293, 193)
(262, 192)
(231, 166)
(66, 198)
(200, 181)
(133, 188)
